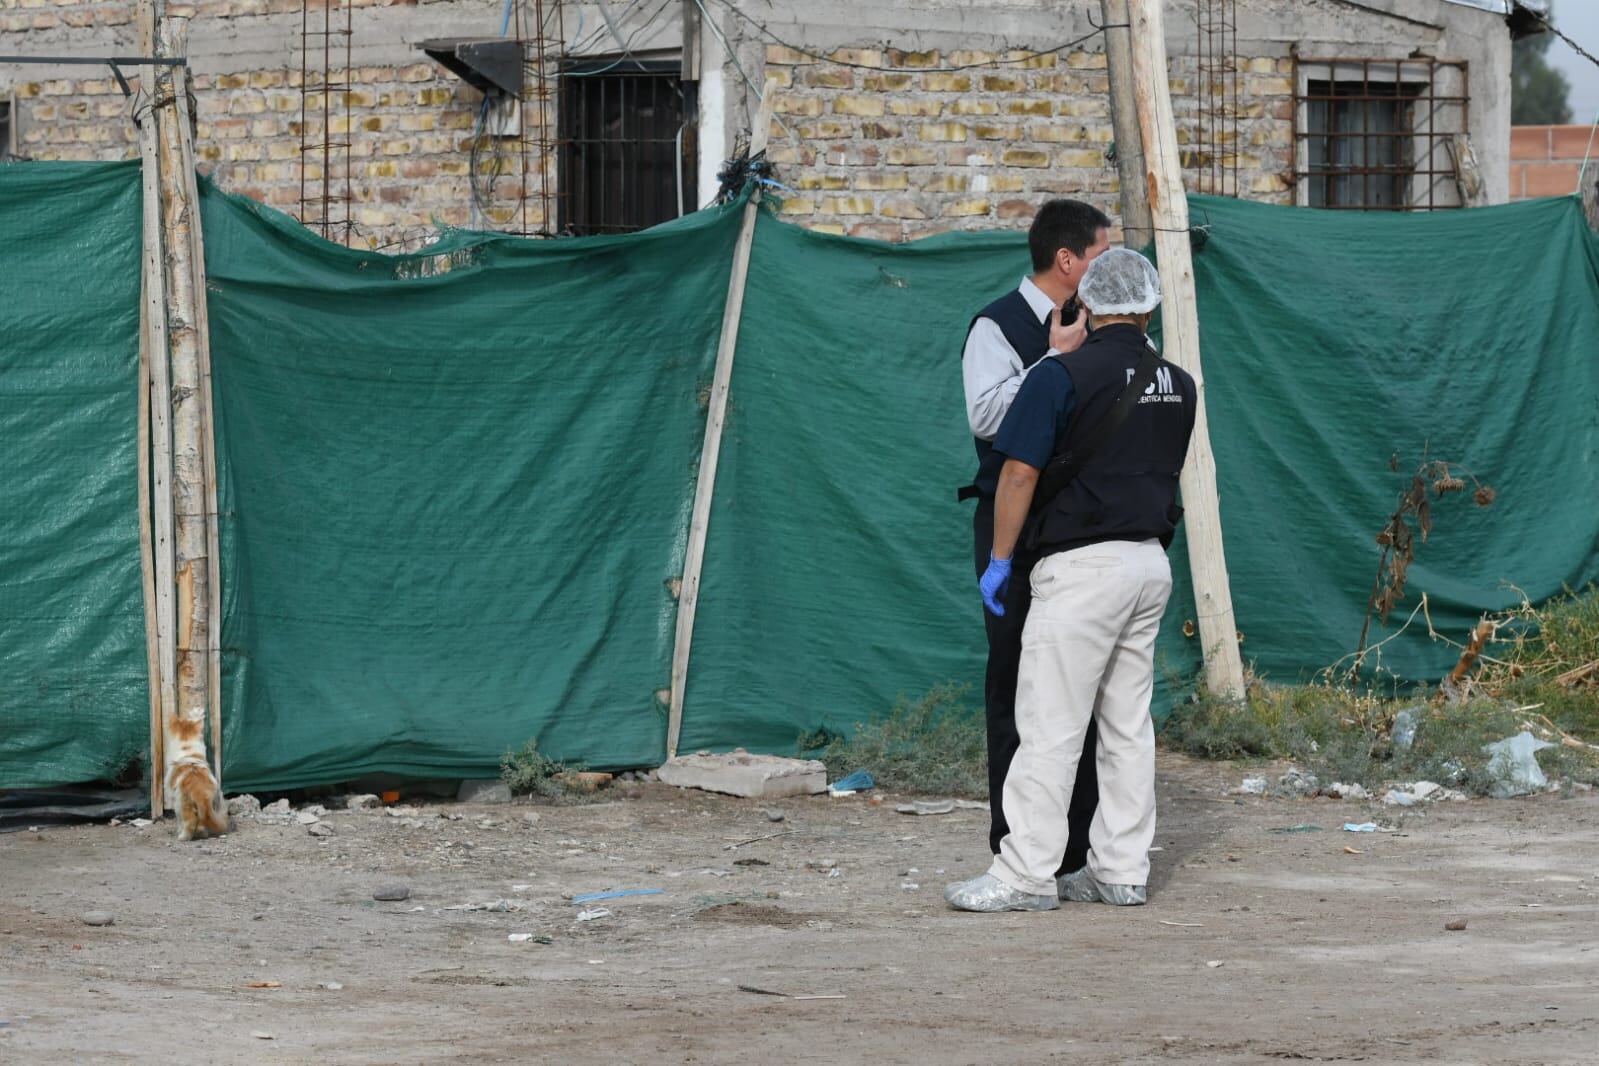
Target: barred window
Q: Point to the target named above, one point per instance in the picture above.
(6, 140)
(627, 148)
(1380, 134)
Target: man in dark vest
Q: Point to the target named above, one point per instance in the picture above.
(1099, 587)
(1004, 342)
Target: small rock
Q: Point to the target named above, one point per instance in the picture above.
(531, 817)
(98, 918)
(1349, 792)
(1395, 798)
(775, 815)
(1425, 789)
(276, 807)
(1297, 782)
(634, 793)
(364, 802)
(306, 818)
(331, 986)
(1456, 926)
(1252, 786)
(245, 806)
(1215, 964)
(319, 829)
(492, 791)
(263, 1036)
(391, 893)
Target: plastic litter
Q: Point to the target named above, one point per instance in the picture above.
(1301, 828)
(1120, 282)
(1514, 765)
(1403, 734)
(859, 781)
(926, 807)
(1252, 786)
(592, 897)
(591, 915)
(1360, 827)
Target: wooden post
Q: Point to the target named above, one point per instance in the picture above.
(213, 551)
(710, 452)
(1218, 632)
(185, 726)
(155, 455)
(1136, 228)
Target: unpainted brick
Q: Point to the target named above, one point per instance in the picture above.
(967, 208)
(944, 82)
(902, 156)
(902, 208)
(973, 107)
(887, 83)
(1024, 157)
(867, 106)
(942, 131)
(846, 205)
(913, 106)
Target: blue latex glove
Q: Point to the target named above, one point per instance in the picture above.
(993, 583)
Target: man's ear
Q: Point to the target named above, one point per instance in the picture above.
(1064, 260)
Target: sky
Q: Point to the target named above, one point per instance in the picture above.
(1579, 20)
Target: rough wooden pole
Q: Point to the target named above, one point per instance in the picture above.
(155, 453)
(1168, 204)
(185, 726)
(1136, 228)
(213, 551)
(710, 451)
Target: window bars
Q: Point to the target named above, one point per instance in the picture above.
(1379, 134)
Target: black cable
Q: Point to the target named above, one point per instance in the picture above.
(1552, 28)
(775, 39)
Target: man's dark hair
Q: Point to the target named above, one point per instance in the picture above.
(1059, 224)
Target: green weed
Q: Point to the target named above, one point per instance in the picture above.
(935, 744)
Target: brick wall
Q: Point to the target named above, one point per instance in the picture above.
(873, 143)
(1546, 160)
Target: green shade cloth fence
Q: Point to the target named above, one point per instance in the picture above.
(455, 486)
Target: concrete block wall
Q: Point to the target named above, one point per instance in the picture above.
(895, 145)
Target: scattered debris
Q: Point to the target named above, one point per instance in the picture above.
(1362, 827)
(974, 805)
(264, 984)
(591, 897)
(366, 801)
(1514, 765)
(244, 806)
(1456, 926)
(739, 773)
(99, 918)
(392, 893)
(492, 790)
(757, 840)
(775, 815)
(1339, 790)
(1396, 798)
(751, 862)
(531, 817)
(1403, 734)
(926, 807)
(1300, 828)
(1252, 786)
(332, 986)
(319, 829)
(787, 995)
(1297, 782)
(306, 818)
(1215, 964)
(584, 780)
(593, 914)
(1352, 851)
(263, 1036)
(859, 781)
(1182, 925)
(499, 906)
(518, 938)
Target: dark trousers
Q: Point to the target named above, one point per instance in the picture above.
(999, 699)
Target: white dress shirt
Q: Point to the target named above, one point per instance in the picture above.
(991, 368)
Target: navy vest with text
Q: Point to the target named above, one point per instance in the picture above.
(1128, 489)
(1030, 338)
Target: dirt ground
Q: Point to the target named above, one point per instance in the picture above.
(1257, 946)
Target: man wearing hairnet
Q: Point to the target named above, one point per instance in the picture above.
(1107, 427)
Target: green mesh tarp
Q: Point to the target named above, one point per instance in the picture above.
(455, 487)
(453, 501)
(839, 571)
(74, 705)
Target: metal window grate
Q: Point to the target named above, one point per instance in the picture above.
(1379, 134)
(5, 129)
(626, 148)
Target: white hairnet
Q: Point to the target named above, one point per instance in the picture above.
(1120, 282)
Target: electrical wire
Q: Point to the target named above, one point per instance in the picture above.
(761, 27)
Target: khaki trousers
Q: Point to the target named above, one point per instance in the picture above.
(1088, 652)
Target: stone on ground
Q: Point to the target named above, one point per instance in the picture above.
(739, 773)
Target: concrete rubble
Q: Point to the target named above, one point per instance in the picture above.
(738, 773)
